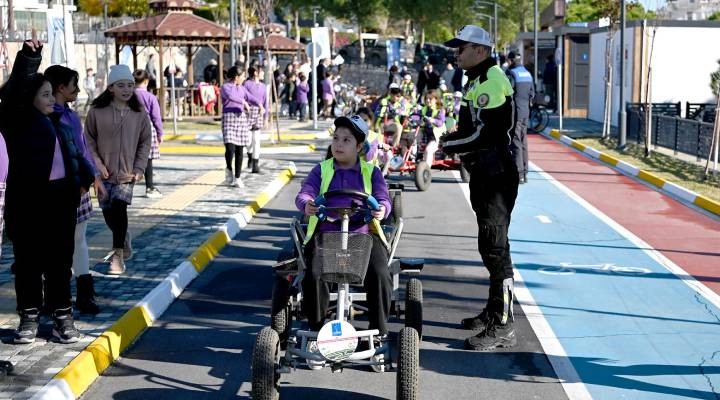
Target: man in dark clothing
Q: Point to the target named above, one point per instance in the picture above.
(483, 141)
(427, 80)
(210, 73)
(523, 95)
(550, 80)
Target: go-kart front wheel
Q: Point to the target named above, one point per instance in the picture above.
(408, 366)
(414, 305)
(423, 176)
(265, 360)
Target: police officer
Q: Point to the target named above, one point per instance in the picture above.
(524, 92)
(483, 141)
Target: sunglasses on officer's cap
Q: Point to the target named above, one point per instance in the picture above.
(356, 124)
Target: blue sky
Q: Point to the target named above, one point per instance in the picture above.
(652, 4)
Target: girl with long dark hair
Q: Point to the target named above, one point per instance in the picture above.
(46, 178)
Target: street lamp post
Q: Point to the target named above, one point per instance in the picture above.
(622, 124)
(105, 40)
(494, 17)
(233, 31)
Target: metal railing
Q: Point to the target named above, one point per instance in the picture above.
(681, 135)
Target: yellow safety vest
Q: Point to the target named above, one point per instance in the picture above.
(327, 170)
(437, 130)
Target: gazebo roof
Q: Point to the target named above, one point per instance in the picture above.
(275, 43)
(170, 26)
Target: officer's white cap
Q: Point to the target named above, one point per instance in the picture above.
(470, 34)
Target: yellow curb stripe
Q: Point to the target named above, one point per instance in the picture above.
(578, 145)
(609, 159)
(652, 179)
(707, 204)
(100, 354)
(555, 133)
(208, 250)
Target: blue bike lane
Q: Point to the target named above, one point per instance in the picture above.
(615, 322)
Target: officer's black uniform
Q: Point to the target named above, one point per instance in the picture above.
(484, 145)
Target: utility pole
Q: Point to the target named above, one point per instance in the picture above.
(11, 19)
(495, 25)
(622, 122)
(535, 44)
(233, 29)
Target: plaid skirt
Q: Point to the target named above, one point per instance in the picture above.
(236, 129)
(116, 191)
(84, 211)
(255, 119)
(155, 148)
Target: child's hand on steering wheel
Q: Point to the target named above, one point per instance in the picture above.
(379, 214)
(310, 208)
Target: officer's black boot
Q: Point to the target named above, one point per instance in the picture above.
(255, 166)
(499, 331)
(85, 299)
(478, 322)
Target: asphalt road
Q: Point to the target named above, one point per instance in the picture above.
(201, 347)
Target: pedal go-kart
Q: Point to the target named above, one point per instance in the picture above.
(345, 257)
(410, 159)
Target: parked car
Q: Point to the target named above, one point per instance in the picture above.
(376, 52)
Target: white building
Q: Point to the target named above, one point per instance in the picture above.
(52, 21)
(691, 10)
(680, 57)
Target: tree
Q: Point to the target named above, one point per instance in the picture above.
(715, 16)
(592, 10)
(134, 8)
(364, 13)
(715, 80)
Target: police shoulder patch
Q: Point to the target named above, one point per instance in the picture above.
(483, 100)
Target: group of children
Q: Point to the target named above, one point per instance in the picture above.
(51, 165)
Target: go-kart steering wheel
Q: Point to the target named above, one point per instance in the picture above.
(371, 204)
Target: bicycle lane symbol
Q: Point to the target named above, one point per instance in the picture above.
(566, 268)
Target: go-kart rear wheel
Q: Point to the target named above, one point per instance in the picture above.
(464, 173)
(408, 366)
(413, 306)
(281, 317)
(423, 176)
(265, 360)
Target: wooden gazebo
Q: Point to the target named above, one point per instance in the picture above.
(277, 44)
(172, 24)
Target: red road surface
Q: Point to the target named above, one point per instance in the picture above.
(685, 236)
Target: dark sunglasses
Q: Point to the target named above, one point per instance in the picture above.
(462, 48)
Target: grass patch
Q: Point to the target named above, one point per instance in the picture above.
(199, 126)
(672, 169)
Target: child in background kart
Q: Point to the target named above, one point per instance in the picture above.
(433, 114)
(392, 110)
(346, 170)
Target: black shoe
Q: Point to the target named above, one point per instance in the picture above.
(493, 337)
(28, 327)
(85, 300)
(255, 166)
(6, 367)
(476, 323)
(64, 326)
(249, 161)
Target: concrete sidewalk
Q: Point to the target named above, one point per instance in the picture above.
(165, 231)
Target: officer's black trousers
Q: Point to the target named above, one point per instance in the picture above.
(493, 198)
(377, 284)
(520, 147)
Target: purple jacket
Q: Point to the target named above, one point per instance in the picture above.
(4, 162)
(256, 94)
(71, 119)
(234, 97)
(302, 91)
(327, 88)
(343, 179)
(152, 106)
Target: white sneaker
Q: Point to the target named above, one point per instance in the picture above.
(238, 183)
(153, 193)
(228, 177)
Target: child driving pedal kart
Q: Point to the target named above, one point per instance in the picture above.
(345, 170)
(433, 113)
